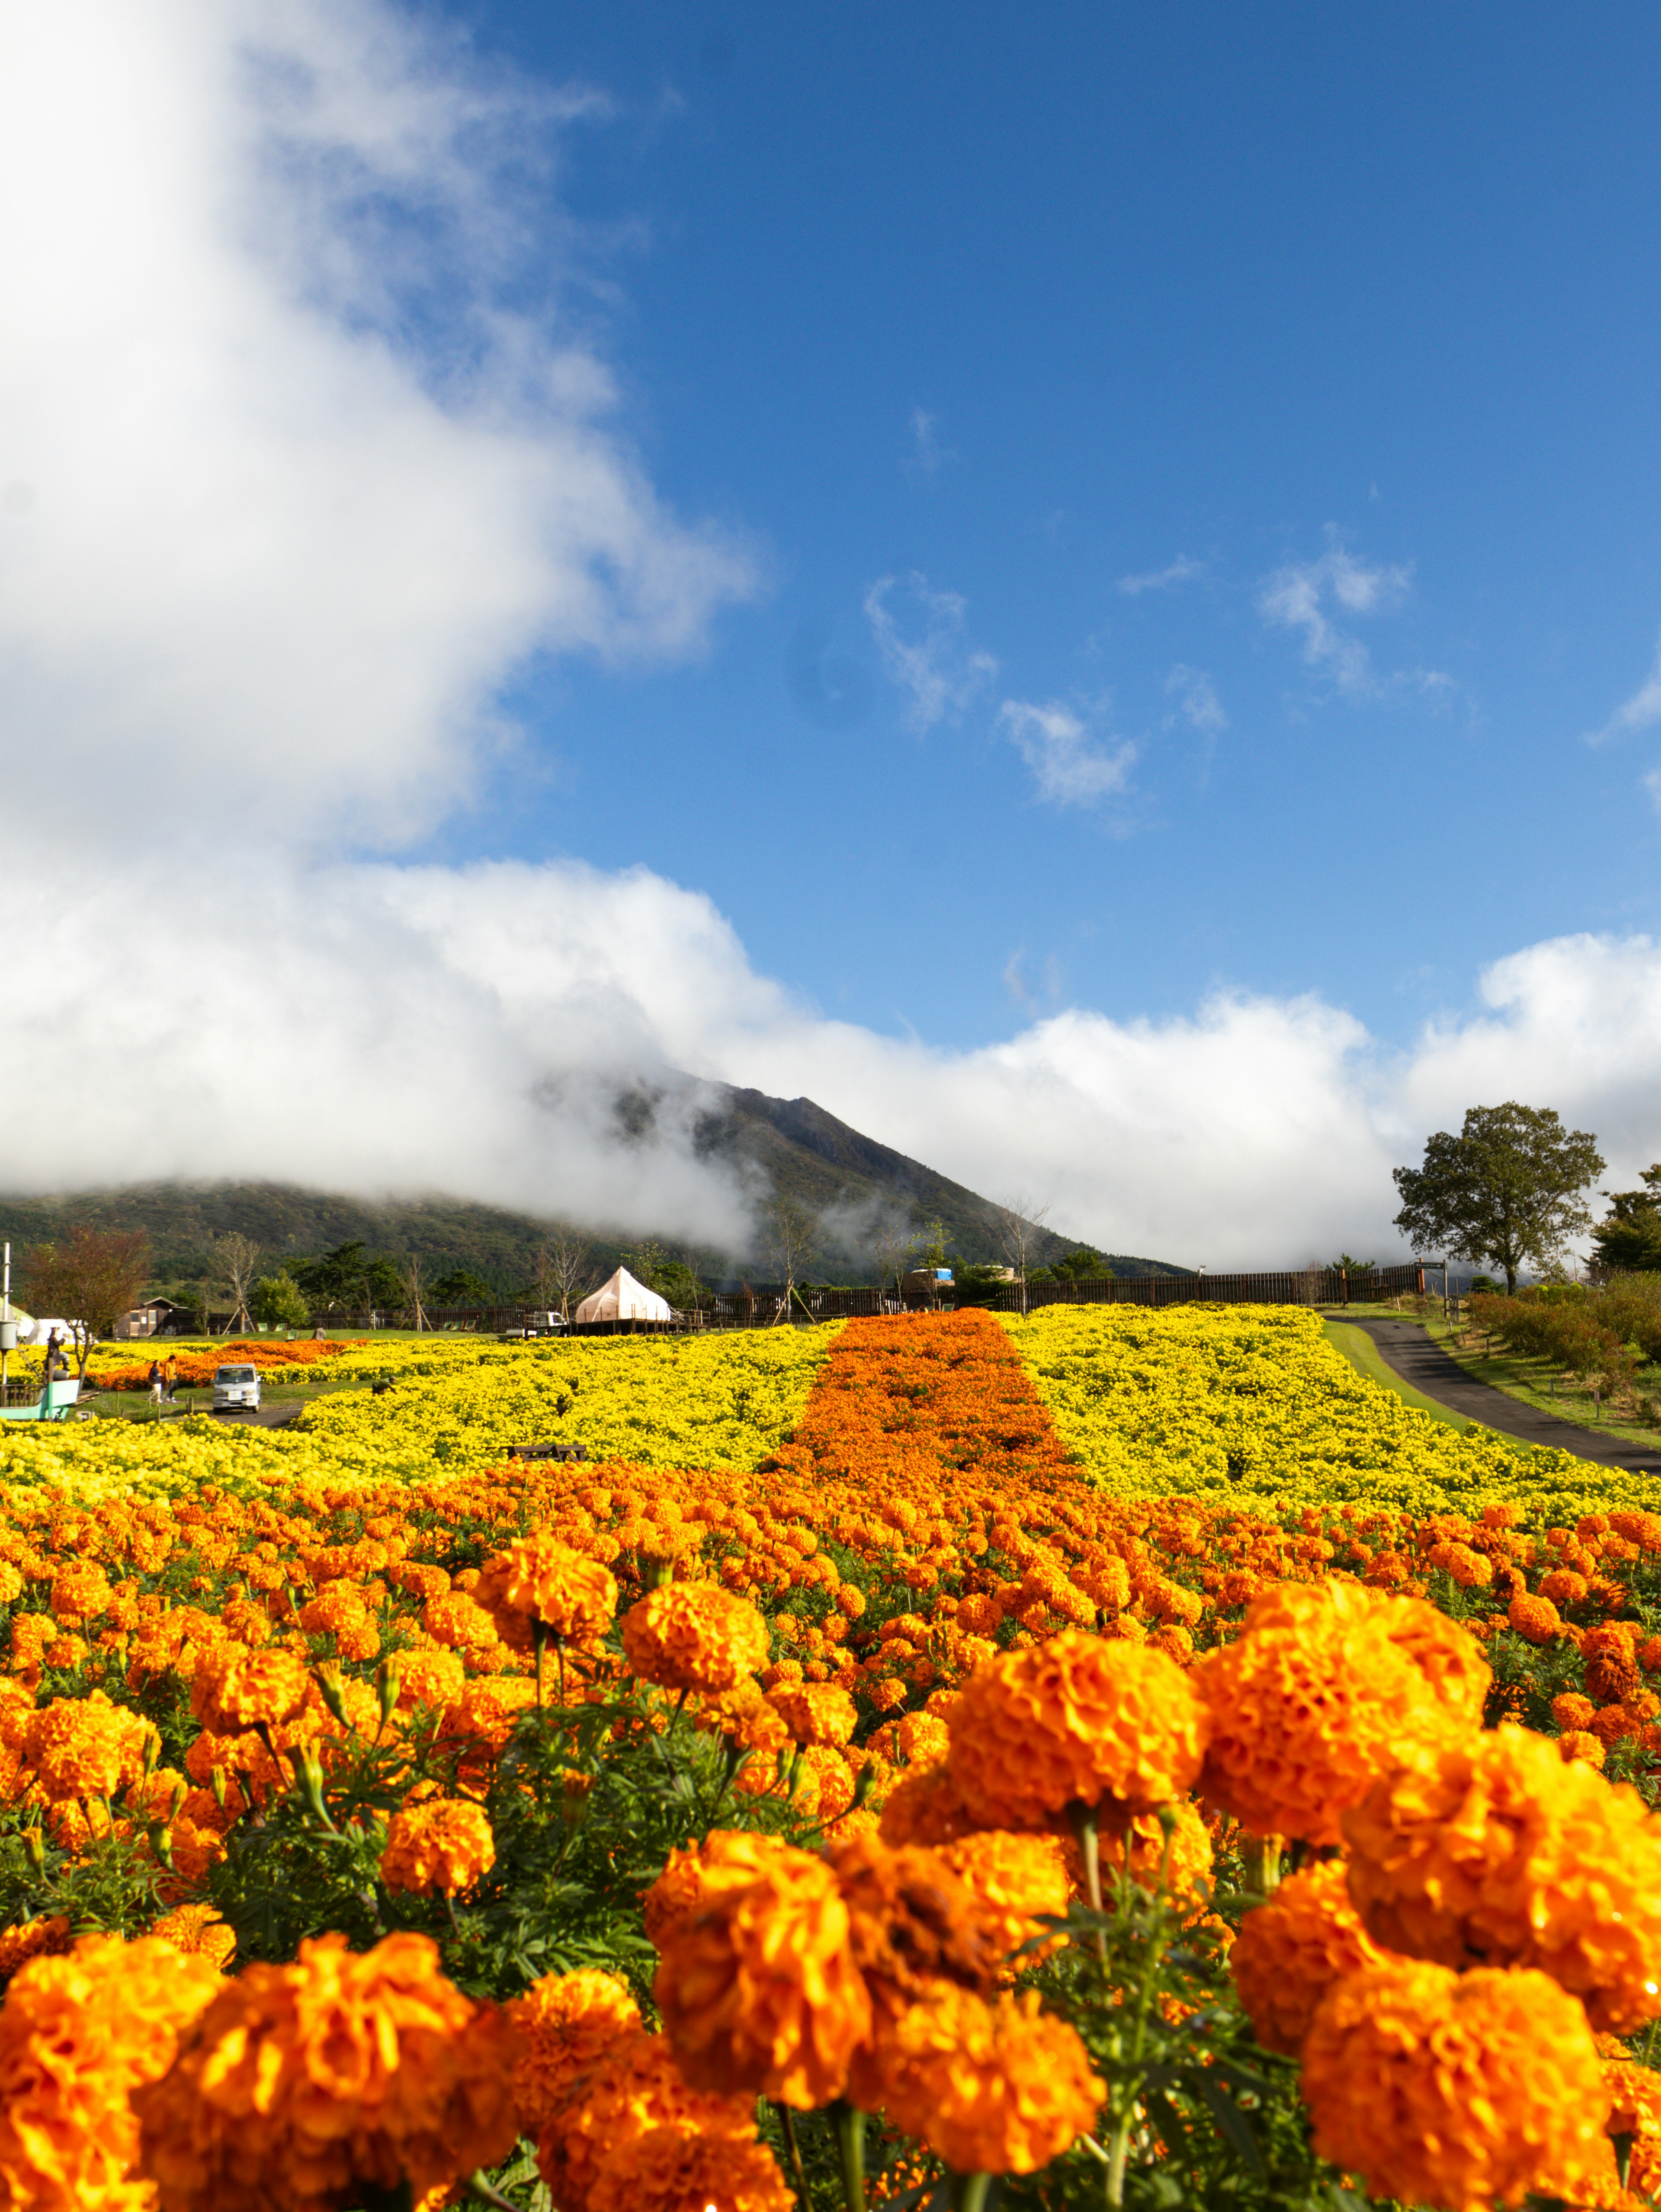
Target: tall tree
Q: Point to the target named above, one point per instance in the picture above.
(90, 1279)
(415, 1285)
(564, 1266)
(1628, 1237)
(792, 1238)
(236, 1257)
(1507, 1189)
(1017, 1223)
(892, 1244)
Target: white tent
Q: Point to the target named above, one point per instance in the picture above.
(624, 1299)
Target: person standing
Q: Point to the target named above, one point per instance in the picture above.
(156, 1384)
(170, 1379)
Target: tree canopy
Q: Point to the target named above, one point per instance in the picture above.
(90, 1278)
(1628, 1237)
(1507, 1189)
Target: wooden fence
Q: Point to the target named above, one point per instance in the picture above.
(762, 1305)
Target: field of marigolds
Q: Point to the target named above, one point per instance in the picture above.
(1113, 1758)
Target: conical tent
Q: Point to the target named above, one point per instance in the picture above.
(624, 1299)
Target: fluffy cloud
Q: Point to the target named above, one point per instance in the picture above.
(255, 542)
(1069, 768)
(922, 638)
(1302, 596)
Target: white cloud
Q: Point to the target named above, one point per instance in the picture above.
(1182, 571)
(1641, 712)
(1196, 699)
(925, 648)
(252, 518)
(1070, 769)
(927, 455)
(1301, 597)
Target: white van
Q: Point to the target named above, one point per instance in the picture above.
(235, 1386)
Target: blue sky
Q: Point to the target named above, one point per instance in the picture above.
(1279, 306)
(1081, 586)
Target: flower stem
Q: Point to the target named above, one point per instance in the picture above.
(788, 2122)
(850, 2142)
(1083, 1818)
(968, 2192)
(1117, 2151)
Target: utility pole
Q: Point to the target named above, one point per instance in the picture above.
(7, 1326)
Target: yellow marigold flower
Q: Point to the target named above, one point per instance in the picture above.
(1011, 1879)
(727, 1858)
(815, 1712)
(694, 1635)
(197, 1930)
(574, 1597)
(78, 1745)
(593, 2132)
(1457, 2091)
(33, 1939)
(1079, 1720)
(758, 1992)
(1501, 1855)
(565, 2024)
(78, 2035)
(234, 1690)
(1327, 1686)
(305, 2084)
(1000, 2088)
(444, 1844)
(1290, 1951)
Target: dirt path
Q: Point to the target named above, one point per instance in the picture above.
(1405, 1347)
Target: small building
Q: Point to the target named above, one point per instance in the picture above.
(927, 1278)
(156, 1317)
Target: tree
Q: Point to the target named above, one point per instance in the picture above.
(1507, 1188)
(236, 1257)
(460, 1287)
(89, 1279)
(1017, 1223)
(792, 1238)
(564, 1266)
(1087, 1265)
(279, 1302)
(1628, 1238)
(347, 1277)
(415, 1269)
(894, 1242)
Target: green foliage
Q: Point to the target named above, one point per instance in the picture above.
(279, 1302)
(460, 1287)
(348, 1277)
(1629, 1236)
(1507, 1188)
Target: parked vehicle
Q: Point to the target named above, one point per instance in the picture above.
(235, 1386)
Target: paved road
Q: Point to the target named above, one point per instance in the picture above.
(1418, 1359)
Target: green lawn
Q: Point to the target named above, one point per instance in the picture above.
(1359, 1348)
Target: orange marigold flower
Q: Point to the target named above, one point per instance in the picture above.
(1327, 1685)
(1290, 1951)
(593, 2132)
(694, 1635)
(573, 1596)
(1572, 1710)
(1580, 1743)
(994, 2088)
(924, 1807)
(1457, 2091)
(1535, 1619)
(78, 2035)
(727, 1858)
(234, 1690)
(758, 1992)
(565, 2024)
(33, 1939)
(1635, 2095)
(1500, 1854)
(815, 1712)
(437, 1679)
(197, 1930)
(682, 2169)
(444, 1844)
(83, 1746)
(1013, 1878)
(308, 2084)
(1080, 1720)
(1142, 1852)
